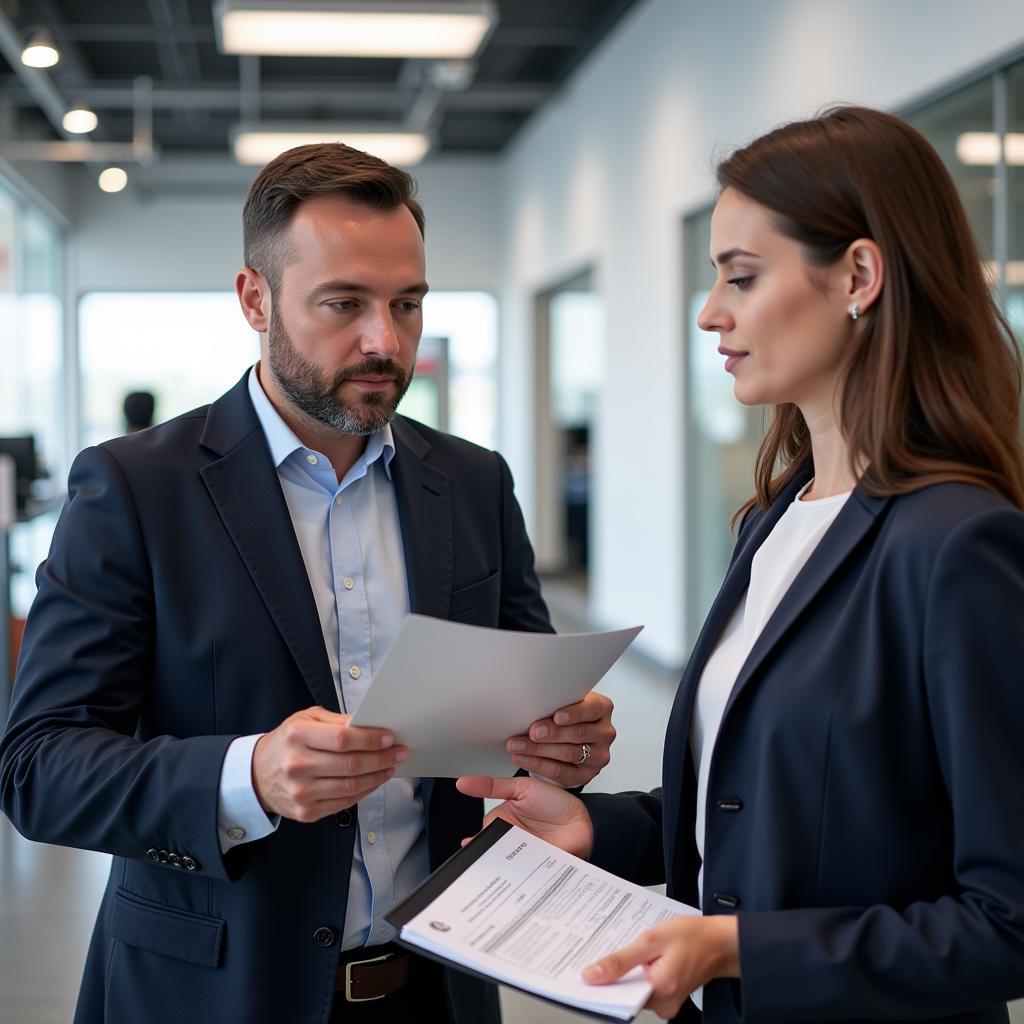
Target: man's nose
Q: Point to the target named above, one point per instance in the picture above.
(380, 337)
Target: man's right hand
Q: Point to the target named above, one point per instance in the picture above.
(547, 811)
(315, 764)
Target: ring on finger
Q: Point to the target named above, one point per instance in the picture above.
(584, 753)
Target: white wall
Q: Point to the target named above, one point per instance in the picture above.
(192, 240)
(604, 175)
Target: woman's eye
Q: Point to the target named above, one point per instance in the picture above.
(741, 284)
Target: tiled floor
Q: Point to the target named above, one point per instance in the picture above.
(49, 895)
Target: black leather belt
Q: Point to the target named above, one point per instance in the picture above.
(372, 972)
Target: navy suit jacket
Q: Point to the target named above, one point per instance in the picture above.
(174, 614)
(865, 809)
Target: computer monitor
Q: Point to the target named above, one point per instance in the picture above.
(26, 466)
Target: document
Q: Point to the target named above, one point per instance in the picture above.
(454, 693)
(517, 910)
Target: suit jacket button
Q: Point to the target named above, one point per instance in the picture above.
(730, 803)
(162, 856)
(324, 937)
(343, 819)
(190, 863)
(152, 854)
(174, 860)
(727, 899)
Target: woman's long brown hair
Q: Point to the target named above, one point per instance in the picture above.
(931, 386)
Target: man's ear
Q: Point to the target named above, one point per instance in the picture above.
(255, 299)
(865, 274)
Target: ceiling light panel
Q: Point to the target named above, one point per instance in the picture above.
(259, 144)
(357, 29)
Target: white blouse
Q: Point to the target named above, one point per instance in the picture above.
(775, 565)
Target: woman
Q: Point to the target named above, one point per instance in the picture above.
(843, 788)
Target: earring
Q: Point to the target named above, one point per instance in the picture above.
(854, 311)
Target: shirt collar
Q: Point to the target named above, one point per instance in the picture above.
(283, 442)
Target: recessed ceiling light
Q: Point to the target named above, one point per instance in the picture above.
(258, 144)
(40, 50)
(80, 121)
(350, 28)
(113, 179)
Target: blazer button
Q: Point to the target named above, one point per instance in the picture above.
(152, 854)
(730, 803)
(190, 863)
(324, 937)
(162, 856)
(726, 899)
(174, 860)
(343, 819)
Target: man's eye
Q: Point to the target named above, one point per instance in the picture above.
(408, 306)
(342, 305)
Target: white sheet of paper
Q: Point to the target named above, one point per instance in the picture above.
(532, 916)
(455, 693)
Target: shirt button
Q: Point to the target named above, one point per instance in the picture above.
(312, 460)
(236, 833)
(339, 500)
(371, 837)
(354, 672)
(349, 582)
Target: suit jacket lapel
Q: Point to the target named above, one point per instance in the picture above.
(851, 525)
(423, 493)
(247, 494)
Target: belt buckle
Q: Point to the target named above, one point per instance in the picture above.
(349, 998)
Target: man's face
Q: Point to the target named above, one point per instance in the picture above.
(346, 318)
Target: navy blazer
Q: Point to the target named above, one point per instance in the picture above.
(865, 808)
(173, 614)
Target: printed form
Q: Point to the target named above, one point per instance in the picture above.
(531, 916)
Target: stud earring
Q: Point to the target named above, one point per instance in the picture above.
(854, 311)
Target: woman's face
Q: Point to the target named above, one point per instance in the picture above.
(783, 334)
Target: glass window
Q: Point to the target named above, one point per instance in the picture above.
(1015, 174)
(961, 128)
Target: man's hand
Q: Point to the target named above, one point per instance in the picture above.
(538, 807)
(678, 957)
(555, 745)
(314, 764)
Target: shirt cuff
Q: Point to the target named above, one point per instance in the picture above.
(240, 818)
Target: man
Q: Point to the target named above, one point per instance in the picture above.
(218, 596)
(138, 409)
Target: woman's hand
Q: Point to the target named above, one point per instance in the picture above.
(544, 810)
(678, 957)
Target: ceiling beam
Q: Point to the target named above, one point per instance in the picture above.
(290, 97)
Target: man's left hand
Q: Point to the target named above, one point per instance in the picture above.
(554, 748)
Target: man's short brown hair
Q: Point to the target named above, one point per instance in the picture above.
(307, 171)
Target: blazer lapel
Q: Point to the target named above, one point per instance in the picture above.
(737, 578)
(246, 492)
(851, 525)
(423, 493)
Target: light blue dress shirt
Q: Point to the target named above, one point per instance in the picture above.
(351, 545)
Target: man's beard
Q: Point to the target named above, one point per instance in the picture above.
(311, 392)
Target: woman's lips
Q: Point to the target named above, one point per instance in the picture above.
(732, 357)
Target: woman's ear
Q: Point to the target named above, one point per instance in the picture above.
(255, 298)
(865, 274)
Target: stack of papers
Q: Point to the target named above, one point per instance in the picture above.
(517, 910)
